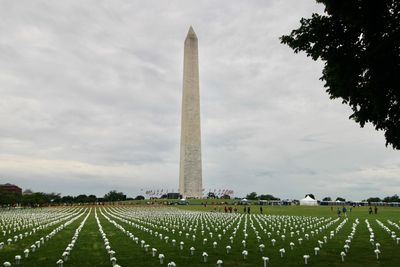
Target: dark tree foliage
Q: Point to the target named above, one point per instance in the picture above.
(140, 197)
(8, 198)
(92, 198)
(114, 196)
(37, 198)
(374, 199)
(81, 199)
(67, 199)
(225, 196)
(31, 199)
(340, 199)
(268, 197)
(252, 196)
(53, 197)
(359, 41)
(394, 198)
(327, 199)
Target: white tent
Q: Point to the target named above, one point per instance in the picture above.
(308, 201)
(244, 201)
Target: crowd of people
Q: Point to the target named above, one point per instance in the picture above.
(343, 210)
(340, 211)
(246, 209)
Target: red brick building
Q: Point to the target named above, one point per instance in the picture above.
(10, 188)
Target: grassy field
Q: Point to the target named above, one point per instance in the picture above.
(87, 229)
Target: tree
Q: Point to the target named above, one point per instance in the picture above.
(37, 199)
(359, 43)
(67, 199)
(374, 199)
(252, 196)
(394, 198)
(81, 199)
(9, 198)
(327, 199)
(226, 196)
(114, 196)
(310, 195)
(340, 199)
(268, 197)
(54, 197)
(142, 197)
(92, 199)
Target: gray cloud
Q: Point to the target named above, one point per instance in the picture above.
(91, 95)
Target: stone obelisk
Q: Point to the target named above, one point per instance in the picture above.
(190, 174)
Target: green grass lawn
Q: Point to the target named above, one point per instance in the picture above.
(122, 224)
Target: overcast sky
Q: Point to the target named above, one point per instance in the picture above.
(90, 100)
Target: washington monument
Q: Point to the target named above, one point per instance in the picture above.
(190, 174)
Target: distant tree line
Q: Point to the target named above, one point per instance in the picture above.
(394, 198)
(254, 196)
(28, 198)
(388, 199)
